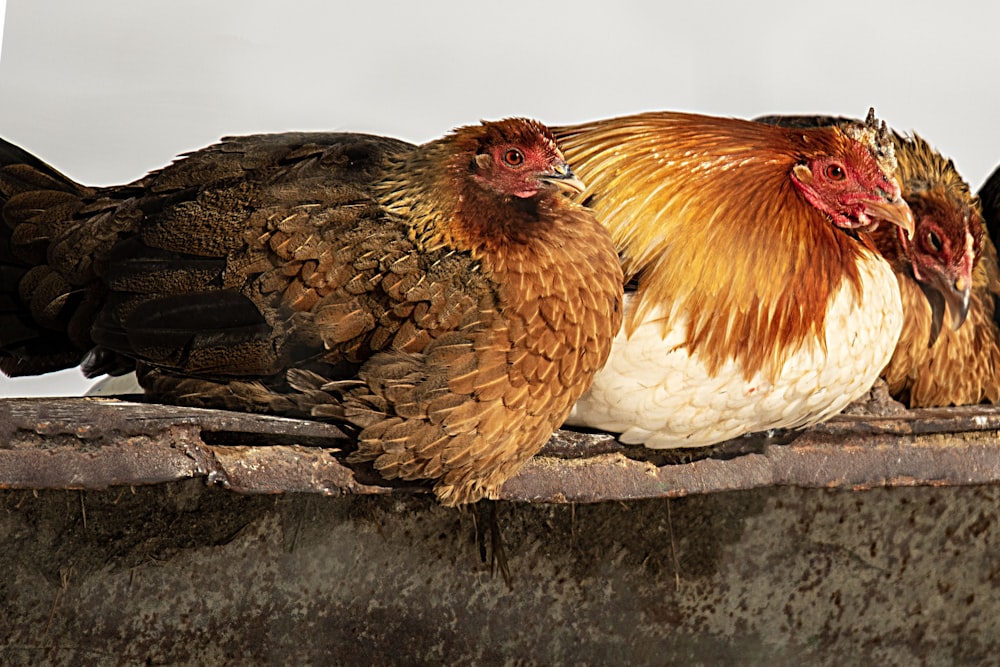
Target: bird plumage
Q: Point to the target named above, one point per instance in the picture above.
(962, 367)
(760, 299)
(948, 266)
(447, 303)
(953, 262)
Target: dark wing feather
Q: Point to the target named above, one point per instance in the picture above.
(39, 327)
(805, 121)
(242, 248)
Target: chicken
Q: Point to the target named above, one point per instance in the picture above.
(963, 366)
(760, 300)
(989, 199)
(951, 257)
(446, 303)
(950, 264)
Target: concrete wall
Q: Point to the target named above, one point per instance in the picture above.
(183, 573)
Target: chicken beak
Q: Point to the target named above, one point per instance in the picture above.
(893, 210)
(959, 299)
(942, 291)
(563, 177)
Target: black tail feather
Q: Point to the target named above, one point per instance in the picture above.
(32, 342)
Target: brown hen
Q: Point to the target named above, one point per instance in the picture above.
(951, 261)
(447, 302)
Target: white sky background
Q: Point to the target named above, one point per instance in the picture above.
(106, 90)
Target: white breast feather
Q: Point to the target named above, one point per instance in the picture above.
(652, 392)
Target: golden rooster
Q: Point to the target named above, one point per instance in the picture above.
(950, 264)
(447, 303)
(760, 300)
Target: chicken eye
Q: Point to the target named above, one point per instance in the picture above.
(513, 157)
(834, 172)
(934, 242)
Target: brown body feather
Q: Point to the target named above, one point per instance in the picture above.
(449, 324)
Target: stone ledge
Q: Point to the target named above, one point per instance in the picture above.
(96, 443)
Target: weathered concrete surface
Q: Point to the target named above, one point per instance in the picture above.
(146, 535)
(191, 574)
(95, 443)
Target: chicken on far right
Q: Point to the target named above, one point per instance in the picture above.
(950, 260)
(989, 200)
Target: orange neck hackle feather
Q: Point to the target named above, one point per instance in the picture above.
(705, 215)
